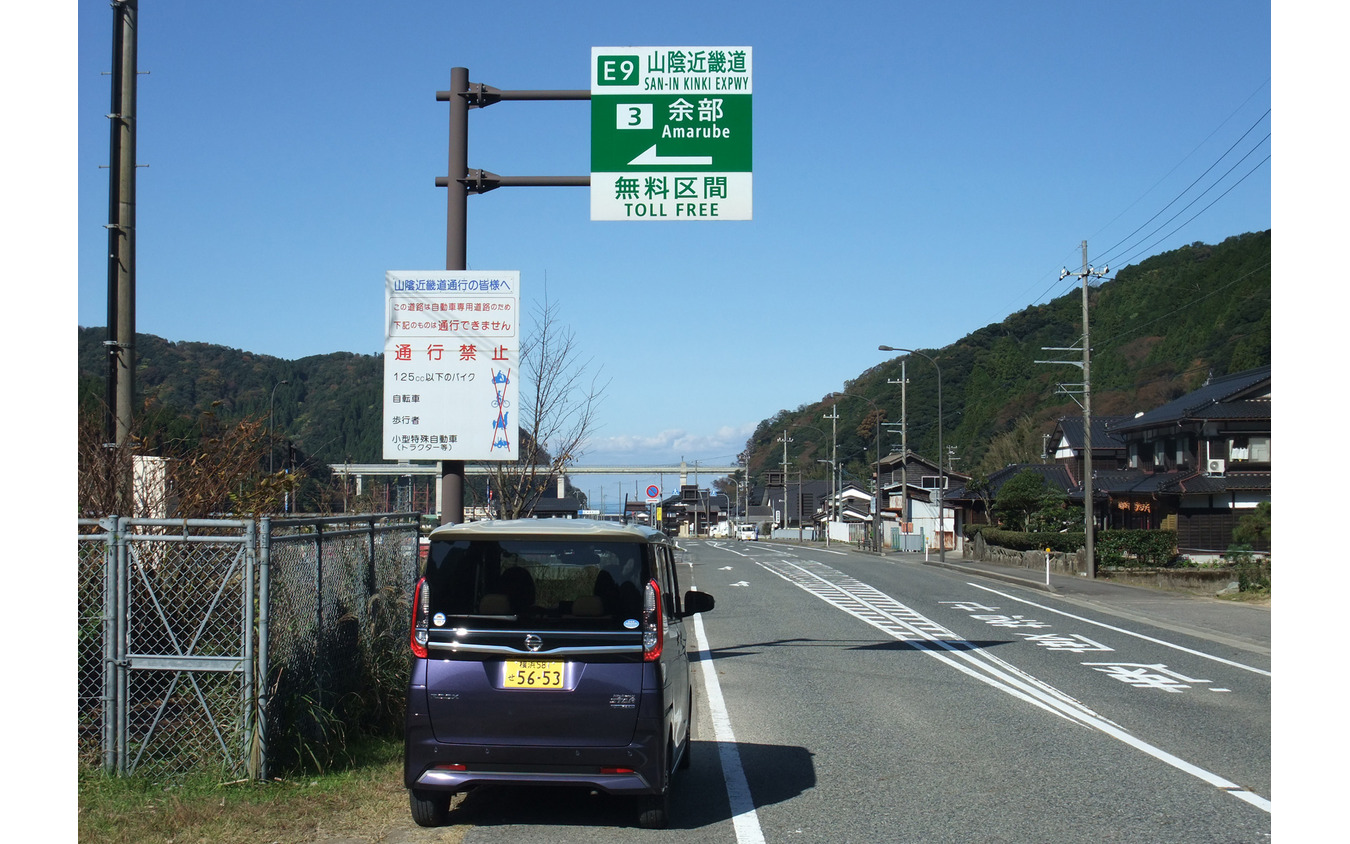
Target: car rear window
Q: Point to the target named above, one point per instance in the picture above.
(581, 584)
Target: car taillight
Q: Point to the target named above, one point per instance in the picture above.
(420, 618)
(652, 640)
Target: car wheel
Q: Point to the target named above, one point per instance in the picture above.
(654, 809)
(429, 808)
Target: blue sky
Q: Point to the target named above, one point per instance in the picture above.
(918, 164)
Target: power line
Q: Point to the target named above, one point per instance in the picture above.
(1114, 258)
(1184, 159)
(1151, 246)
(1111, 259)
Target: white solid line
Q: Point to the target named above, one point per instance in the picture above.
(1122, 630)
(743, 816)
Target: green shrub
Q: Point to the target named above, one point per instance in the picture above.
(1136, 548)
(1017, 540)
(1253, 572)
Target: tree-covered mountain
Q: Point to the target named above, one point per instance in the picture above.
(329, 405)
(1159, 329)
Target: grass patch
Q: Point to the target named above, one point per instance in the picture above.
(1259, 597)
(363, 801)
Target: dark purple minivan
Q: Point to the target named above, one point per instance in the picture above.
(549, 652)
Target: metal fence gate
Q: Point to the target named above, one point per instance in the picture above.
(174, 618)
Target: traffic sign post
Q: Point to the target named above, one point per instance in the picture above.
(671, 133)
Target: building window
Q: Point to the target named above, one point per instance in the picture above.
(1249, 449)
(931, 482)
(1160, 455)
(1134, 455)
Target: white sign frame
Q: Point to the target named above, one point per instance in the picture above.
(451, 364)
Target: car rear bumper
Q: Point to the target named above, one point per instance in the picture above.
(438, 779)
(446, 766)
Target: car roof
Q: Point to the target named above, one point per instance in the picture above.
(577, 529)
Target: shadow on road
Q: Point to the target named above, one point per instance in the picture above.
(698, 798)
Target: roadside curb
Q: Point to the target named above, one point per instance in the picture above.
(1006, 578)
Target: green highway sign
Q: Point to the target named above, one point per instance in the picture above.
(671, 133)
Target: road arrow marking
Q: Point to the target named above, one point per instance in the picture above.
(650, 157)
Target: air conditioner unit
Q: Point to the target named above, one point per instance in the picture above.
(1215, 467)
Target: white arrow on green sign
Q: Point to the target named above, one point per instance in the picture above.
(671, 133)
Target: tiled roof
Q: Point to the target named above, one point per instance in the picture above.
(1135, 482)
(1241, 393)
(1071, 428)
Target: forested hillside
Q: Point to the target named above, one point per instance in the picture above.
(329, 407)
(1159, 329)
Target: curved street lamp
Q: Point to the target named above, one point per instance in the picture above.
(942, 481)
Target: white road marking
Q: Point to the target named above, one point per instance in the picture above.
(1172, 645)
(844, 592)
(744, 819)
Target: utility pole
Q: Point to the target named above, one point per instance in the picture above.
(1089, 509)
(834, 467)
(904, 448)
(121, 338)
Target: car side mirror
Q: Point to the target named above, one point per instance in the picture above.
(696, 602)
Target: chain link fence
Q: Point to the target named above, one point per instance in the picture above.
(235, 645)
(338, 655)
(93, 664)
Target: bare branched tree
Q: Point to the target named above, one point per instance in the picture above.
(220, 471)
(559, 399)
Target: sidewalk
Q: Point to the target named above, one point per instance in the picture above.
(1240, 625)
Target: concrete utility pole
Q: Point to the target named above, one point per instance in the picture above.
(834, 467)
(121, 337)
(904, 449)
(942, 478)
(1089, 515)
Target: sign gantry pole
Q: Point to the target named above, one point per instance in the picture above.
(456, 257)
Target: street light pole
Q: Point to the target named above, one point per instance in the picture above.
(270, 402)
(942, 480)
(833, 512)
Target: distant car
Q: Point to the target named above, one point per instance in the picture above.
(549, 652)
(747, 532)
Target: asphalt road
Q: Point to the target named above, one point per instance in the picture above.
(843, 697)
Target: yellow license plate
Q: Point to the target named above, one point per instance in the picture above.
(533, 674)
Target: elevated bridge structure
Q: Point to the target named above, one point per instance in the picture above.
(360, 471)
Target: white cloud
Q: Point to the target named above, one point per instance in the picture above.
(668, 447)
